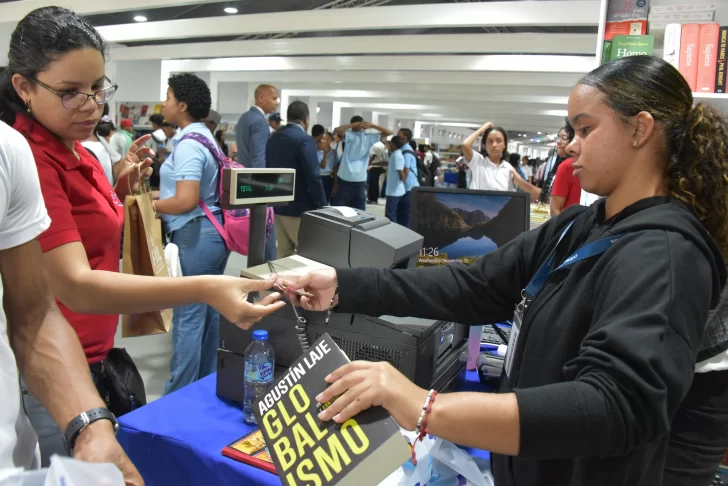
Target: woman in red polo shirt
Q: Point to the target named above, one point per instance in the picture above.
(53, 92)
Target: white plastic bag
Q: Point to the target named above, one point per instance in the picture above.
(439, 463)
(171, 255)
(65, 471)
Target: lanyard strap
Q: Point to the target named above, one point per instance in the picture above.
(587, 251)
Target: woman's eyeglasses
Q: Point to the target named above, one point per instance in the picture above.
(73, 100)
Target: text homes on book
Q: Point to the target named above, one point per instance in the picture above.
(363, 450)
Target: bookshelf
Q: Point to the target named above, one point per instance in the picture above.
(719, 101)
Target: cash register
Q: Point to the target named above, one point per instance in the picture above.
(427, 351)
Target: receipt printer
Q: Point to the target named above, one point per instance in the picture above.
(349, 238)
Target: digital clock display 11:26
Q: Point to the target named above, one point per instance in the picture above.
(253, 186)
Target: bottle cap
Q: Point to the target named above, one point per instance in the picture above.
(260, 335)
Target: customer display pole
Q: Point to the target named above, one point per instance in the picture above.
(256, 238)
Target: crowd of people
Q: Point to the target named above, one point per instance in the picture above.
(631, 391)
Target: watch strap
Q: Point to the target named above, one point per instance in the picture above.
(83, 420)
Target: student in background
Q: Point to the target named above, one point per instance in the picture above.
(396, 176)
(352, 173)
(121, 141)
(488, 168)
(377, 167)
(527, 169)
(220, 138)
(566, 189)
(410, 168)
(328, 161)
(317, 132)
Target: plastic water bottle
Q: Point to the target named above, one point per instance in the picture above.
(259, 366)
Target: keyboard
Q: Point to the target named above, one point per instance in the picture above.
(489, 335)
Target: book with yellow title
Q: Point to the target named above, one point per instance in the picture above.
(363, 450)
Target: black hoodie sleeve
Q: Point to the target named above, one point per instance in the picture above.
(636, 362)
(486, 291)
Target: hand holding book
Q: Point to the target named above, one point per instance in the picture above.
(362, 384)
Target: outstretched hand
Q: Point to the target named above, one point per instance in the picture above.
(229, 296)
(321, 285)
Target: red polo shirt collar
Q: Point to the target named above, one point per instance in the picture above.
(39, 135)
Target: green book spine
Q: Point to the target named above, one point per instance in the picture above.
(632, 45)
(607, 52)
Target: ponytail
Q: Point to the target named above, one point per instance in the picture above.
(697, 170)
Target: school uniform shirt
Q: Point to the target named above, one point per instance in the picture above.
(606, 351)
(355, 162)
(486, 175)
(331, 160)
(83, 208)
(23, 217)
(395, 186)
(190, 161)
(566, 184)
(527, 171)
(410, 162)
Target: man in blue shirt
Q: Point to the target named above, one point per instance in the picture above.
(396, 176)
(352, 173)
(328, 161)
(410, 165)
(252, 135)
(292, 147)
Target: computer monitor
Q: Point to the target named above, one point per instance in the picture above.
(463, 225)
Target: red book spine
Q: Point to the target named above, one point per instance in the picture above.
(689, 57)
(709, 34)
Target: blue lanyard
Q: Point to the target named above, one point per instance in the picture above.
(592, 249)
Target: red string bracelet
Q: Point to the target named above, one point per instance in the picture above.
(423, 430)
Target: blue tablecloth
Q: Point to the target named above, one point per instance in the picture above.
(178, 439)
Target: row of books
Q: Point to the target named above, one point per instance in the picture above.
(693, 43)
(699, 52)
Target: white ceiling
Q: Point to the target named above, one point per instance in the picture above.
(520, 79)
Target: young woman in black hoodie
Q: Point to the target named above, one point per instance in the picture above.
(613, 299)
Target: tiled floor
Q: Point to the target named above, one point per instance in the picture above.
(152, 353)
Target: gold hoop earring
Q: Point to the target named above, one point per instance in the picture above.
(634, 143)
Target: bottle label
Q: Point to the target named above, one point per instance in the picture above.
(266, 372)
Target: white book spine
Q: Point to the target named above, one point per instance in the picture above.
(671, 52)
(681, 17)
(687, 7)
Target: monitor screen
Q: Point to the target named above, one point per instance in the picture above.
(252, 185)
(463, 225)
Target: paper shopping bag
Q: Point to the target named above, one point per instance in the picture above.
(143, 255)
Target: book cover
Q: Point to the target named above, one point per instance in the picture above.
(363, 450)
(626, 18)
(684, 7)
(671, 48)
(251, 450)
(689, 57)
(708, 57)
(632, 45)
(720, 79)
(682, 17)
(630, 27)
